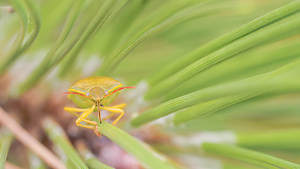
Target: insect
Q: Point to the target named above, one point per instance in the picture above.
(95, 94)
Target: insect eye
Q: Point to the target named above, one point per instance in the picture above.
(88, 93)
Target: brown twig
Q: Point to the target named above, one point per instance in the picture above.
(11, 166)
(28, 140)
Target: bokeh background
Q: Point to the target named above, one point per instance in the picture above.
(217, 82)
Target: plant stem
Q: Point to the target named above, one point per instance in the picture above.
(53, 57)
(258, 85)
(11, 166)
(116, 30)
(31, 22)
(106, 11)
(140, 33)
(278, 139)
(240, 67)
(35, 162)
(208, 108)
(249, 156)
(89, 158)
(266, 35)
(5, 142)
(60, 140)
(29, 141)
(154, 25)
(142, 152)
(222, 41)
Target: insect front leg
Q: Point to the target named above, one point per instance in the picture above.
(83, 117)
(73, 110)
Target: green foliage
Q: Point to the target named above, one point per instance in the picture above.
(210, 64)
(92, 161)
(144, 30)
(246, 65)
(252, 87)
(147, 156)
(224, 40)
(57, 52)
(5, 141)
(282, 139)
(61, 142)
(266, 35)
(35, 162)
(249, 156)
(28, 33)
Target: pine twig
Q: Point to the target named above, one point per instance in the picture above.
(29, 141)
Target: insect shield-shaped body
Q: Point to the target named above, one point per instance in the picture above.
(95, 94)
(94, 89)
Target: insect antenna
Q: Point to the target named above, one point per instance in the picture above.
(66, 93)
(127, 87)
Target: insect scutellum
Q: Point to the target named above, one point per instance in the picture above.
(97, 94)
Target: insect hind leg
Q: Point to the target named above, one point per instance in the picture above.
(114, 110)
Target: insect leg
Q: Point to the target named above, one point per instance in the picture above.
(83, 117)
(108, 116)
(113, 113)
(120, 106)
(115, 110)
(73, 110)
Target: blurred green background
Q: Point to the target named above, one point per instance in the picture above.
(217, 82)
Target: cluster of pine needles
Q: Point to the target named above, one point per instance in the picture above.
(217, 83)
